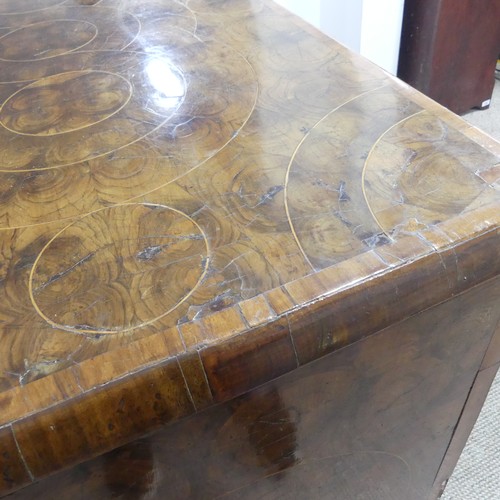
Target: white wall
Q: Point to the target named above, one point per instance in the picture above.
(342, 20)
(309, 10)
(381, 32)
(371, 27)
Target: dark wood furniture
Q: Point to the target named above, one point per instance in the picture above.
(232, 240)
(449, 50)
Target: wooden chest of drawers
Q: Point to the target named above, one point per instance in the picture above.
(216, 218)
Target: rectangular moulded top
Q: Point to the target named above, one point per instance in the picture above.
(197, 197)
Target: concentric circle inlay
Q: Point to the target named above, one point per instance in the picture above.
(65, 102)
(46, 39)
(118, 269)
(25, 6)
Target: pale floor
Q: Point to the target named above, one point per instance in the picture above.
(477, 475)
(489, 119)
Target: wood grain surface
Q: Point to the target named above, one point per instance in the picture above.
(371, 421)
(197, 197)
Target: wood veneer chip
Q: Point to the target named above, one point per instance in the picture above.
(256, 310)
(491, 175)
(37, 395)
(351, 272)
(472, 224)
(405, 249)
(280, 300)
(306, 289)
(214, 327)
(121, 362)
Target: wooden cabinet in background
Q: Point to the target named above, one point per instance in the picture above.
(449, 50)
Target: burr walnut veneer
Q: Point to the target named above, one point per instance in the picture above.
(216, 218)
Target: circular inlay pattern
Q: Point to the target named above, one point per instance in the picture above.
(24, 6)
(118, 269)
(65, 102)
(46, 39)
(401, 171)
(193, 109)
(417, 183)
(331, 220)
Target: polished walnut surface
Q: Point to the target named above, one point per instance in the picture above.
(186, 186)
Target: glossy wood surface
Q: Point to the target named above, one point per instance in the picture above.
(372, 421)
(200, 196)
